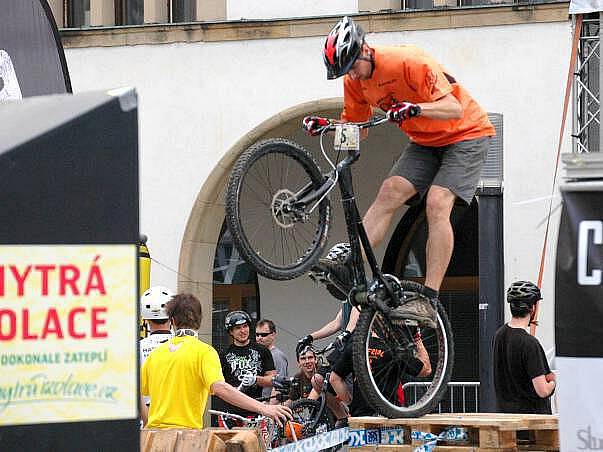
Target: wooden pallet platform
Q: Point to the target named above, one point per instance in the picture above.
(206, 440)
(486, 432)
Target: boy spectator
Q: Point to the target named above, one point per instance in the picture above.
(152, 310)
(523, 381)
(246, 365)
(306, 360)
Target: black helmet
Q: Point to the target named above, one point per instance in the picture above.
(342, 47)
(235, 318)
(524, 292)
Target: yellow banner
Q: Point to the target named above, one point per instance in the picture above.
(68, 333)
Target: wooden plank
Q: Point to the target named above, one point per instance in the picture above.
(493, 438)
(244, 441)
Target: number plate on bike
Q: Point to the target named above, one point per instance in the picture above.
(347, 137)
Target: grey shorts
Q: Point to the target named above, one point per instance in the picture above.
(457, 167)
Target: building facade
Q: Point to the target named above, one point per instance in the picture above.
(209, 90)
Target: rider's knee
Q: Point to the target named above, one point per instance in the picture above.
(438, 204)
(394, 192)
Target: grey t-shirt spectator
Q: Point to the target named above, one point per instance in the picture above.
(280, 363)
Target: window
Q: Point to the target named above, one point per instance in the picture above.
(235, 288)
(79, 13)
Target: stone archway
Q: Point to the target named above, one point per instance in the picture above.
(195, 267)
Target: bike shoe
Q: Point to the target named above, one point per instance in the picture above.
(419, 308)
(336, 276)
(334, 271)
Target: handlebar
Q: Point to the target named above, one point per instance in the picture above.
(374, 121)
(232, 416)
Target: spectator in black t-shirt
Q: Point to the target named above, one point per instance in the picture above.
(523, 381)
(246, 365)
(306, 360)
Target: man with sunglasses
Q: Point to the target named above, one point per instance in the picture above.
(265, 334)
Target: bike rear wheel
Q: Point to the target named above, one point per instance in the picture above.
(279, 238)
(392, 387)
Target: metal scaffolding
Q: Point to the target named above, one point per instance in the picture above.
(587, 103)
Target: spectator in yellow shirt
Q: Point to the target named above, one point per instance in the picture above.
(180, 374)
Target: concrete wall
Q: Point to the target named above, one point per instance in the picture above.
(272, 9)
(198, 100)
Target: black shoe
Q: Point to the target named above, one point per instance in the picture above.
(336, 276)
(335, 272)
(419, 308)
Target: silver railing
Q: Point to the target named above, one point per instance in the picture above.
(461, 396)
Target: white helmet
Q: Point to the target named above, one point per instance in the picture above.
(153, 301)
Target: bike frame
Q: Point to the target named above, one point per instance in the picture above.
(357, 235)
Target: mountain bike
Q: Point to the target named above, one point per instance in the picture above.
(271, 434)
(278, 212)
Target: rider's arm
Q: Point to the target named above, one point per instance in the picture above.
(235, 397)
(341, 389)
(265, 380)
(329, 329)
(447, 107)
(354, 314)
(424, 357)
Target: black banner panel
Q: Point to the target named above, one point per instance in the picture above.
(69, 170)
(579, 283)
(579, 317)
(32, 61)
(69, 273)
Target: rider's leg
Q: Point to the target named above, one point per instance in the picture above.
(340, 387)
(336, 407)
(440, 243)
(393, 194)
(440, 239)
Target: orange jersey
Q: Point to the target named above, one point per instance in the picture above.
(406, 73)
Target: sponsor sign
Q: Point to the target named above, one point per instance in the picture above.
(67, 333)
(579, 318)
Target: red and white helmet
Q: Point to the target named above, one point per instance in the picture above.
(342, 47)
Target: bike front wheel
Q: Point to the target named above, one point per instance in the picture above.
(279, 236)
(392, 361)
(305, 412)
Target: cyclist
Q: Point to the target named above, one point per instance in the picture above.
(246, 365)
(448, 131)
(181, 373)
(379, 358)
(523, 381)
(152, 310)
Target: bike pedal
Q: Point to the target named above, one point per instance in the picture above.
(318, 277)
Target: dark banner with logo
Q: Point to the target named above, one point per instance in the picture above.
(579, 284)
(579, 317)
(32, 62)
